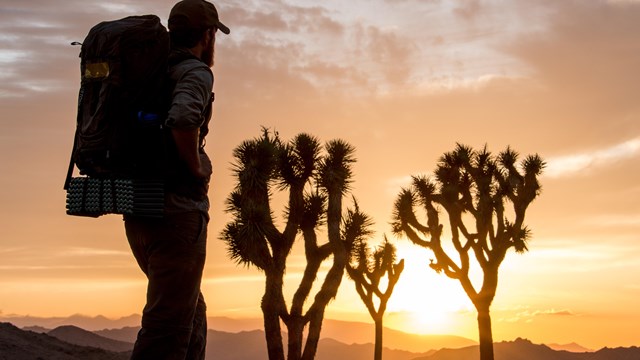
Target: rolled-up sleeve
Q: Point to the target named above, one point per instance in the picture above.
(191, 95)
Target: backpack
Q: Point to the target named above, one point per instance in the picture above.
(119, 143)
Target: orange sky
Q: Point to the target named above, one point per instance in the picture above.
(402, 81)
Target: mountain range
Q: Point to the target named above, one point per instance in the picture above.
(71, 342)
(522, 349)
(17, 344)
(347, 332)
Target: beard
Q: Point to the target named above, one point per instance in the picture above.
(208, 54)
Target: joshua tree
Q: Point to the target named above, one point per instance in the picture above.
(366, 270)
(316, 182)
(475, 190)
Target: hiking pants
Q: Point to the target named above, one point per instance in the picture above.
(171, 252)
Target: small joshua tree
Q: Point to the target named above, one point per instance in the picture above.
(366, 270)
(472, 187)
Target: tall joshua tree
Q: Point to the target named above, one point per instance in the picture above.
(366, 270)
(316, 182)
(478, 192)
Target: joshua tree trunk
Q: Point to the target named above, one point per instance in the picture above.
(295, 328)
(377, 355)
(271, 315)
(315, 325)
(484, 330)
(329, 288)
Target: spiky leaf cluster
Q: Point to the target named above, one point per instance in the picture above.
(255, 167)
(335, 171)
(356, 228)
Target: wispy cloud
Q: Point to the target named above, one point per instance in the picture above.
(75, 285)
(120, 8)
(529, 315)
(233, 279)
(51, 262)
(51, 268)
(83, 251)
(614, 220)
(585, 258)
(8, 56)
(449, 84)
(590, 160)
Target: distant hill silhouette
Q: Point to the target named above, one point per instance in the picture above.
(329, 349)
(572, 347)
(245, 345)
(36, 329)
(126, 334)
(521, 349)
(231, 325)
(17, 344)
(90, 323)
(361, 333)
(78, 336)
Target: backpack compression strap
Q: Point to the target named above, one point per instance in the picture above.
(67, 181)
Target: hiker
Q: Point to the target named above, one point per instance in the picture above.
(171, 250)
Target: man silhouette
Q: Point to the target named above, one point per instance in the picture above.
(171, 251)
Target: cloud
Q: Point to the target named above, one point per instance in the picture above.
(50, 262)
(528, 316)
(72, 285)
(311, 44)
(587, 47)
(64, 251)
(233, 279)
(262, 21)
(554, 312)
(583, 259)
(468, 9)
(36, 53)
(83, 252)
(614, 220)
(386, 53)
(569, 165)
(120, 8)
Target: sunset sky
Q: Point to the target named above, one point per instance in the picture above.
(402, 81)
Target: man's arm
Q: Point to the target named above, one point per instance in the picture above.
(187, 144)
(190, 96)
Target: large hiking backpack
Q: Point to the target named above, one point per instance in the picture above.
(123, 100)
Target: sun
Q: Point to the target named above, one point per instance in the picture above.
(423, 301)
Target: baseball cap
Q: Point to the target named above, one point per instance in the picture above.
(195, 14)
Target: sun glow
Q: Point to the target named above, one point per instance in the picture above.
(423, 301)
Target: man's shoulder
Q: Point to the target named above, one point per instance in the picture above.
(190, 66)
(190, 63)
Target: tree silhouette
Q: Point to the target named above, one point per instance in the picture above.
(366, 270)
(475, 188)
(316, 182)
